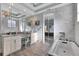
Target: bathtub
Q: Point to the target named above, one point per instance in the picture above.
(61, 48)
(75, 49)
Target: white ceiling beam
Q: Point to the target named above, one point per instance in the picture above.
(30, 6)
(54, 7)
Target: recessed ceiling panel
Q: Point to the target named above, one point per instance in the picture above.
(36, 4)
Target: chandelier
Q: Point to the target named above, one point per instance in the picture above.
(6, 13)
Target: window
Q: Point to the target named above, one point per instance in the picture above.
(11, 23)
(22, 25)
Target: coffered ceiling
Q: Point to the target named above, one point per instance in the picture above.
(26, 8)
(39, 6)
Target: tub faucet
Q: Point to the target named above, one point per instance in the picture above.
(74, 42)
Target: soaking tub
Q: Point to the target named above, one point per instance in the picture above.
(75, 49)
(63, 48)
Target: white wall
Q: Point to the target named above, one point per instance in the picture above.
(64, 21)
(77, 33)
(0, 29)
(0, 24)
(76, 27)
(0, 18)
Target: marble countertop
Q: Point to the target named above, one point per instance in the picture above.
(20, 35)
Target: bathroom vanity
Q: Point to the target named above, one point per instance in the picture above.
(15, 42)
(0, 46)
(11, 44)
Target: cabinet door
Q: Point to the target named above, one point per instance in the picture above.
(34, 37)
(13, 44)
(7, 47)
(18, 43)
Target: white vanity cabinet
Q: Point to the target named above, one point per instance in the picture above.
(0, 44)
(7, 46)
(17, 43)
(34, 37)
(11, 44)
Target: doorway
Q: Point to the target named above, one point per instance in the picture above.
(48, 29)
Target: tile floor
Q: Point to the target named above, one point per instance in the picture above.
(37, 49)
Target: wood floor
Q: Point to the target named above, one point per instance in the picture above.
(37, 49)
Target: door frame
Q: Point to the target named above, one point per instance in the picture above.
(44, 17)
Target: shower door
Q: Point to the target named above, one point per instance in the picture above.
(49, 29)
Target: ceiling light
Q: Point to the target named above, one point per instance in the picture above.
(6, 13)
(9, 7)
(24, 10)
(36, 4)
(11, 4)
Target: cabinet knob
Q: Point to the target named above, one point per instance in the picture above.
(64, 51)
